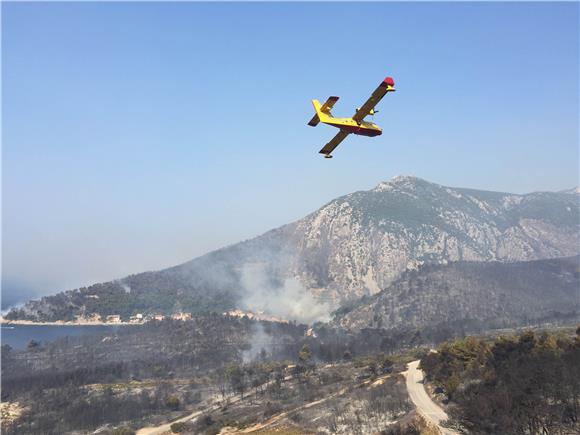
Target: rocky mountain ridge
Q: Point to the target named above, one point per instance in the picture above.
(374, 236)
(353, 246)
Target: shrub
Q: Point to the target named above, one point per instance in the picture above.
(271, 409)
(178, 427)
(172, 402)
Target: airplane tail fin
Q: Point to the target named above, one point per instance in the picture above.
(315, 119)
(322, 111)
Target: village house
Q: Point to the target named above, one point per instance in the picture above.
(260, 315)
(94, 317)
(114, 318)
(181, 316)
(137, 318)
(310, 333)
(239, 313)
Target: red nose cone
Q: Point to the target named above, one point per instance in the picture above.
(389, 81)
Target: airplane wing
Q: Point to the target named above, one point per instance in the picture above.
(334, 142)
(387, 85)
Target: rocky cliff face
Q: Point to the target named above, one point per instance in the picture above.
(355, 245)
(360, 243)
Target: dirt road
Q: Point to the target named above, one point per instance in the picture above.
(276, 418)
(421, 399)
(166, 428)
(213, 406)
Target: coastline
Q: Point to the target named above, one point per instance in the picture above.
(5, 322)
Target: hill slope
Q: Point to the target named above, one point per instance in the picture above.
(488, 295)
(355, 245)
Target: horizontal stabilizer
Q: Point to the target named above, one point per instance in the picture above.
(319, 115)
(328, 105)
(314, 121)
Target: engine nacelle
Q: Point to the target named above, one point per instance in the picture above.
(371, 112)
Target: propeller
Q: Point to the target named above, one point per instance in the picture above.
(371, 112)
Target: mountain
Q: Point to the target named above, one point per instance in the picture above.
(353, 246)
(361, 242)
(485, 295)
(572, 191)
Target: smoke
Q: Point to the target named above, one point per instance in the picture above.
(289, 300)
(16, 293)
(259, 340)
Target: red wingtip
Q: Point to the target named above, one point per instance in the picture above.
(389, 81)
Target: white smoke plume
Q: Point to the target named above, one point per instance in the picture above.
(290, 301)
(258, 341)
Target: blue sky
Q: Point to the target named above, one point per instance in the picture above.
(140, 135)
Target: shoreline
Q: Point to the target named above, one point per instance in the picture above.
(5, 322)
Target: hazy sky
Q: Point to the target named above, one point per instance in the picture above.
(140, 135)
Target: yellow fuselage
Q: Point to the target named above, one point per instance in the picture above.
(363, 128)
(347, 125)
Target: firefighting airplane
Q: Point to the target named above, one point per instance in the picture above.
(354, 125)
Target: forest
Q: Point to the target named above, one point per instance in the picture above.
(239, 372)
(153, 372)
(528, 384)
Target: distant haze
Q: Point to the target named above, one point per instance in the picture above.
(137, 136)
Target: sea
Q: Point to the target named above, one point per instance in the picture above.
(18, 336)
